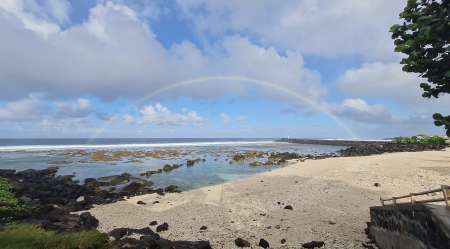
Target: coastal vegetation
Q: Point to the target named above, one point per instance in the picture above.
(420, 139)
(20, 236)
(10, 207)
(424, 36)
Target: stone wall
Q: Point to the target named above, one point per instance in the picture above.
(407, 226)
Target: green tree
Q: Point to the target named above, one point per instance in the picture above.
(424, 37)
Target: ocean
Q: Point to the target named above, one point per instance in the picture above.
(75, 157)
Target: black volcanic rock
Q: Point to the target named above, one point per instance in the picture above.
(241, 242)
(263, 243)
(313, 244)
(163, 227)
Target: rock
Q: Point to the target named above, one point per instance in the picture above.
(153, 223)
(263, 243)
(191, 245)
(137, 188)
(151, 172)
(167, 168)
(313, 244)
(118, 233)
(289, 207)
(283, 241)
(191, 163)
(202, 228)
(241, 242)
(377, 184)
(162, 227)
(115, 179)
(172, 189)
(87, 221)
(80, 199)
(141, 203)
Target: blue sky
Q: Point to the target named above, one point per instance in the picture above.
(197, 68)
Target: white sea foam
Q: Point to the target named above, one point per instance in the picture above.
(124, 146)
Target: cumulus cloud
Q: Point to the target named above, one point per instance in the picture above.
(161, 115)
(387, 80)
(320, 27)
(359, 110)
(115, 53)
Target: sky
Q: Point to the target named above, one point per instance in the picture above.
(198, 68)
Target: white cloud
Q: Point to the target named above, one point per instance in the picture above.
(387, 80)
(320, 27)
(225, 118)
(359, 110)
(161, 115)
(79, 108)
(115, 53)
(25, 109)
(129, 119)
(42, 17)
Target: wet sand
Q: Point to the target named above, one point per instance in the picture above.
(330, 200)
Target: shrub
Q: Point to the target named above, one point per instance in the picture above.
(420, 139)
(10, 207)
(24, 236)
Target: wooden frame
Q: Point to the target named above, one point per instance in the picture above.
(444, 189)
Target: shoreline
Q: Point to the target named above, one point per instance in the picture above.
(330, 200)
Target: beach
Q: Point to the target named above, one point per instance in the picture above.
(330, 200)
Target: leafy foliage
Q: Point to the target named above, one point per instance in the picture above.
(21, 236)
(425, 37)
(420, 139)
(10, 207)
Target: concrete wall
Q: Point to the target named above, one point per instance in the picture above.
(409, 226)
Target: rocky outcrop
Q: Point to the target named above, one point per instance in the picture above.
(407, 226)
(53, 198)
(366, 149)
(127, 238)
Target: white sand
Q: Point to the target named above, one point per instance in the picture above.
(330, 199)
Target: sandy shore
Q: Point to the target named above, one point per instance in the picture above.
(330, 200)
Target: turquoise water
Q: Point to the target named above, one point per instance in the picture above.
(216, 168)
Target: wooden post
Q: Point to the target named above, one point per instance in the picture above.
(445, 193)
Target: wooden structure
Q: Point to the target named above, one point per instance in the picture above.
(444, 190)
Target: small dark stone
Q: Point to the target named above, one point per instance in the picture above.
(141, 203)
(241, 242)
(313, 244)
(289, 207)
(263, 243)
(377, 184)
(203, 228)
(283, 241)
(155, 202)
(153, 223)
(163, 227)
